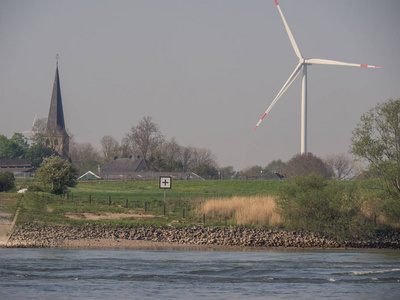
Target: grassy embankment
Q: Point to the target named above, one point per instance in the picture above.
(130, 203)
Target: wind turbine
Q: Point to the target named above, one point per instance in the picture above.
(302, 66)
(31, 130)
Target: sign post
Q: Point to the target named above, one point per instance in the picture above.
(165, 182)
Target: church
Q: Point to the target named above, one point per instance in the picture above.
(56, 137)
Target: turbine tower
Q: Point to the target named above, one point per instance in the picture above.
(302, 66)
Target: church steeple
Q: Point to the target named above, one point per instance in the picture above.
(56, 135)
(56, 113)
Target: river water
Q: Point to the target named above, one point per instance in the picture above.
(161, 274)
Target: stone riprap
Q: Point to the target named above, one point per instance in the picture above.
(55, 236)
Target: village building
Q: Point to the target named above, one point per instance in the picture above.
(137, 169)
(56, 136)
(123, 168)
(18, 166)
(89, 175)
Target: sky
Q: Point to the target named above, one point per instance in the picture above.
(205, 71)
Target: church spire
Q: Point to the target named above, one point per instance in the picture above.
(56, 113)
(56, 136)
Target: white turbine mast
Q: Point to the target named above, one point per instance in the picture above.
(303, 63)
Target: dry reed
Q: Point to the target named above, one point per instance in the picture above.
(254, 210)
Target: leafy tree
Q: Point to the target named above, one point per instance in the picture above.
(252, 172)
(227, 172)
(377, 140)
(307, 164)
(144, 138)
(37, 152)
(14, 147)
(171, 152)
(276, 166)
(7, 181)
(206, 171)
(56, 175)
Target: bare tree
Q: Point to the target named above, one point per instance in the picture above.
(171, 153)
(144, 138)
(110, 146)
(83, 155)
(172, 149)
(186, 158)
(342, 165)
(191, 157)
(40, 125)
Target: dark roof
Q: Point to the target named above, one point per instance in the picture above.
(14, 162)
(15, 165)
(55, 121)
(123, 166)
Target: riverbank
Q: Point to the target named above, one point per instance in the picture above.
(35, 236)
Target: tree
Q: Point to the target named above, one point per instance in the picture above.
(37, 152)
(377, 140)
(276, 166)
(144, 138)
(84, 156)
(319, 205)
(40, 126)
(7, 181)
(306, 164)
(14, 147)
(171, 151)
(186, 158)
(110, 147)
(227, 172)
(56, 175)
(342, 165)
(252, 172)
(203, 156)
(206, 171)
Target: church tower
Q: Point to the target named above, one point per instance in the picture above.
(56, 136)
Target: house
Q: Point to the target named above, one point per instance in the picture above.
(89, 175)
(123, 168)
(136, 168)
(18, 166)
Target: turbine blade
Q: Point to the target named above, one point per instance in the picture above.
(318, 61)
(291, 38)
(34, 120)
(281, 92)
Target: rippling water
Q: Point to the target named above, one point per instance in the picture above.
(144, 274)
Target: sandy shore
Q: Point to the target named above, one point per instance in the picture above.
(121, 244)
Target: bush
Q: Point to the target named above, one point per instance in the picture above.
(56, 175)
(314, 204)
(7, 181)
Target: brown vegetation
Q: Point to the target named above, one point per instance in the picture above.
(249, 211)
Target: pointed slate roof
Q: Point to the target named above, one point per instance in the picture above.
(55, 121)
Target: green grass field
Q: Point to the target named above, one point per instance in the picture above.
(130, 203)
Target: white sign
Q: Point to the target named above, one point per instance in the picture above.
(165, 182)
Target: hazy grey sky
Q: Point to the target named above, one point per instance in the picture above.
(204, 70)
